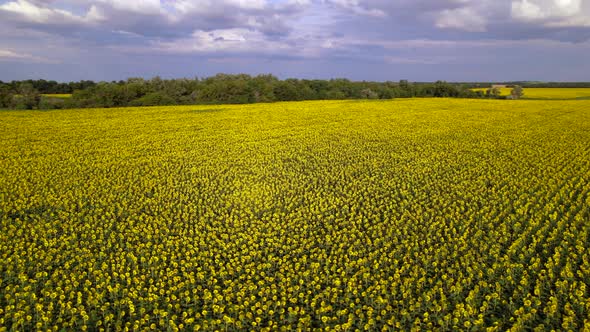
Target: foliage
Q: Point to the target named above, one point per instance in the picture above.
(517, 92)
(47, 102)
(369, 94)
(554, 85)
(494, 92)
(417, 214)
(52, 87)
(244, 89)
(27, 97)
(226, 89)
(5, 96)
(153, 99)
(530, 84)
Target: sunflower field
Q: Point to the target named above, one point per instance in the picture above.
(546, 93)
(416, 214)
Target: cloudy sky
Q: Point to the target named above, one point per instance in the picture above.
(419, 40)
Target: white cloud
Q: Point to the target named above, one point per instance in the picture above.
(447, 45)
(95, 14)
(136, 6)
(222, 40)
(525, 10)
(291, 28)
(34, 13)
(356, 7)
(243, 41)
(580, 21)
(216, 6)
(552, 13)
(156, 17)
(568, 7)
(465, 18)
(8, 55)
(411, 61)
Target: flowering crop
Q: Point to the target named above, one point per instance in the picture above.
(58, 95)
(547, 93)
(557, 93)
(418, 214)
(503, 91)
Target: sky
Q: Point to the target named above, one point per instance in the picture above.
(377, 40)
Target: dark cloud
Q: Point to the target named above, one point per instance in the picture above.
(152, 18)
(334, 37)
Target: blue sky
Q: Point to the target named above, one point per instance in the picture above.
(419, 40)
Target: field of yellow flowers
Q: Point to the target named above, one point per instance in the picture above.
(58, 95)
(547, 93)
(556, 93)
(416, 214)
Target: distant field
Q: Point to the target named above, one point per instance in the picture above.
(548, 93)
(400, 215)
(57, 95)
(557, 93)
(503, 91)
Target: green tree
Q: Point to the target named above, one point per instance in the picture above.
(404, 84)
(5, 96)
(153, 99)
(262, 87)
(286, 91)
(493, 93)
(226, 89)
(335, 94)
(444, 89)
(517, 92)
(405, 89)
(28, 97)
(369, 94)
(49, 103)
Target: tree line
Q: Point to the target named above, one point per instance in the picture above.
(529, 84)
(50, 87)
(218, 89)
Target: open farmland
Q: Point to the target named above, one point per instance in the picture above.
(547, 93)
(407, 214)
(503, 91)
(557, 93)
(58, 95)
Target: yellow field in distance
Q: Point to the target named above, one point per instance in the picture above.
(503, 91)
(57, 95)
(557, 93)
(548, 93)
